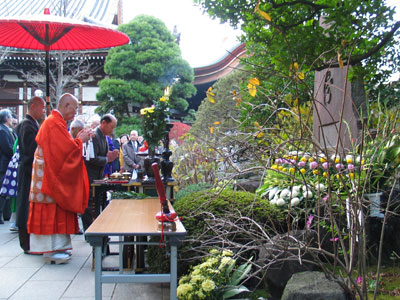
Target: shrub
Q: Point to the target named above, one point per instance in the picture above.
(196, 209)
(192, 189)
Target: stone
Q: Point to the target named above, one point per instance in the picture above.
(282, 264)
(313, 286)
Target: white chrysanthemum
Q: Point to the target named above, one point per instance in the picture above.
(308, 194)
(294, 194)
(273, 202)
(296, 188)
(295, 201)
(284, 193)
(280, 202)
(320, 187)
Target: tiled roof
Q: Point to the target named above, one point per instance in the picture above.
(95, 11)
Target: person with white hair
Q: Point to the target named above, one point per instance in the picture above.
(7, 140)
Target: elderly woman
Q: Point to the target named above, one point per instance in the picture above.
(7, 138)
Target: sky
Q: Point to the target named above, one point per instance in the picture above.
(203, 41)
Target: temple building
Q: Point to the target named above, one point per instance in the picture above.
(22, 71)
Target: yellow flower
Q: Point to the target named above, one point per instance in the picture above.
(162, 99)
(274, 167)
(322, 159)
(150, 110)
(315, 172)
(303, 171)
(284, 170)
(310, 159)
(196, 278)
(291, 170)
(303, 159)
(280, 168)
(325, 174)
(349, 160)
(143, 111)
(337, 160)
(351, 175)
(227, 253)
(183, 289)
(260, 135)
(337, 176)
(208, 285)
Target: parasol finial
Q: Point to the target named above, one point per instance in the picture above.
(47, 11)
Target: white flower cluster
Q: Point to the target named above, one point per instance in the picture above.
(293, 195)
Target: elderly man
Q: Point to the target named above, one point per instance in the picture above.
(7, 139)
(59, 187)
(27, 131)
(95, 166)
(131, 160)
(75, 127)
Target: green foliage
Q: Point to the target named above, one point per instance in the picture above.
(297, 32)
(129, 124)
(227, 202)
(154, 121)
(194, 162)
(139, 72)
(225, 107)
(217, 277)
(192, 188)
(128, 195)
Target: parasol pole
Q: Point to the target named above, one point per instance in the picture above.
(47, 82)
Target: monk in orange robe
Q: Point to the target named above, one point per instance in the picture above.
(59, 186)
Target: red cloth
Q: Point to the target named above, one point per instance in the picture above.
(65, 179)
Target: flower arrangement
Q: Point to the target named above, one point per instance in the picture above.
(215, 278)
(154, 120)
(299, 178)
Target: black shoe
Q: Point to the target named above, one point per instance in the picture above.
(1, 221)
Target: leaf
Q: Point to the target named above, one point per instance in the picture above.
(211, 130)
(300, 75)
(340, 61)
(296, 66)
(254, 81)
(296, 102)
(241, 272)
(252, 89)
(234, 291)
(264, 14)
(217, 123)
(239, 100)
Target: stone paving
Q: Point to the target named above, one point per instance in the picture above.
(26, 277)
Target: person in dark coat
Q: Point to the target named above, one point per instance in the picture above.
(95, 166)
(7, 139)
(27, 131)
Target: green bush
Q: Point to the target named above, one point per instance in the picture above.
(192, 189)
(192, 209)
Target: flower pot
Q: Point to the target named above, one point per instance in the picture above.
(375, 204)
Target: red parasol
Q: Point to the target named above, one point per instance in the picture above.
(49, 32)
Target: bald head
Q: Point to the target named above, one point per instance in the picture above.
(68, 105)
(36, 108)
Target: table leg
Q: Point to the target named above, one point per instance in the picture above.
(174, 275)
(97, 272)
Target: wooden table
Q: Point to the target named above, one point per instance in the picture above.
(132, 218)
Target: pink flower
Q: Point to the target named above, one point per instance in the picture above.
(302, 164)
(325, 198)
(334, 239)
(325, 165)
(351, 167)
(393, 131)
(359, 280)
(309, 221)
(313, 165)
(339, 166)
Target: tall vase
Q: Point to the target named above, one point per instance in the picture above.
(375, 204)
(148, 161)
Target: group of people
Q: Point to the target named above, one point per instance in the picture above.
(56, 165)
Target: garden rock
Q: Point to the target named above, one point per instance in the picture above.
(313, 286)
(282, 264)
